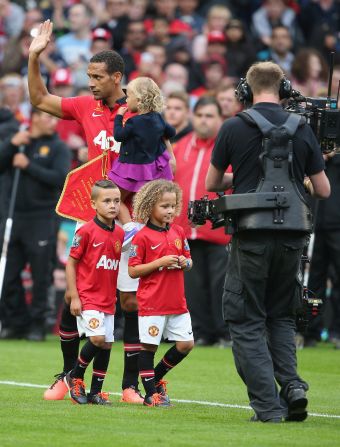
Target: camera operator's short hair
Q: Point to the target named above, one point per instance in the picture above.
(101, 184)
(264, 77)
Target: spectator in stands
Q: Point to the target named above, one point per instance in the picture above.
(133, 46)
(217, 19)
(101, 40)
(187, 13)
(148, 67)
(115, 17)
(181, 54)
(12, 18)
(316, 17)
(177, 114)
(12, 93)
(137, 9)
(74, 46)
(225, 96)
(216, 45)
(273, 13)
(279, 49)
(176, 73)
(240, 49)
(214, 71)
(310, 73)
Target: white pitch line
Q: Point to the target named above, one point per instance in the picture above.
(183, 401)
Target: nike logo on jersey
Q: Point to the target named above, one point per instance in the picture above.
(147, 379)
(131, 354)
(153, 247)
(100, 380)
(97, 245)
(94, 114)
(190, 333)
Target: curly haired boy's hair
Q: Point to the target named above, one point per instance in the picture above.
(147, 197)
(148, 95)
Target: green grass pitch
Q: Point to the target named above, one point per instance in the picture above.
(204, 380)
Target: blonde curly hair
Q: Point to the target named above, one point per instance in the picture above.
(148, 94)
(149, 194)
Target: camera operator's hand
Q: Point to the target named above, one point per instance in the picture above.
(329, 155)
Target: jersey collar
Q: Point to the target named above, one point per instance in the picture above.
(104, 226)
(157, 228)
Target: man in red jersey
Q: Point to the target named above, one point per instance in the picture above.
(96, 115)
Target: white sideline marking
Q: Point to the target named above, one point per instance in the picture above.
(183, 401)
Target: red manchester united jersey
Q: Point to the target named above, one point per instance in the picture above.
(161, 292)
(98, 250)
(97, 120)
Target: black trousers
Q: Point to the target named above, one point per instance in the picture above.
(260, 298)
(32, 241)
(326, 254)
(204, 289)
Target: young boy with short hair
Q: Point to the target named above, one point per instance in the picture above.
(91, 275)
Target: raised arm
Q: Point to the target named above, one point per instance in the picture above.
(39, 95)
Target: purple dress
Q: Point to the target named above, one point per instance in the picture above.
(143, 156)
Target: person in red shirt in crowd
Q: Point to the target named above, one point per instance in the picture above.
(96, 115)
(204, 283)
(91, 275)
(158, 256)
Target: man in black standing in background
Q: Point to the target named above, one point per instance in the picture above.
(43, 166)
(261, 289)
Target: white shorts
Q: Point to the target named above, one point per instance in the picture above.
(125, 283)
(172, 327)
(92, 323)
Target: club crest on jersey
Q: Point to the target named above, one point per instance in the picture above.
(186, 244)
(133, 251)
(94, 323)
(118, 247)
(76, 241)
(44, 151)
(99, 108)
(153, 331)
(178, 244)
(107, 263)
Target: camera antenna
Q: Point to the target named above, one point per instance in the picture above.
(330, 78)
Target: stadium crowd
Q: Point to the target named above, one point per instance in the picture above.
(192, 49)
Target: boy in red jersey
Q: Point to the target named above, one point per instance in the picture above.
(158, 256)
(96, 115)
(91, 275)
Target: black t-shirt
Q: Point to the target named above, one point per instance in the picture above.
(239, 144)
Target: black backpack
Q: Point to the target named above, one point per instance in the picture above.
(278, 177)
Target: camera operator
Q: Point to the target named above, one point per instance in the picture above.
(261, 289)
